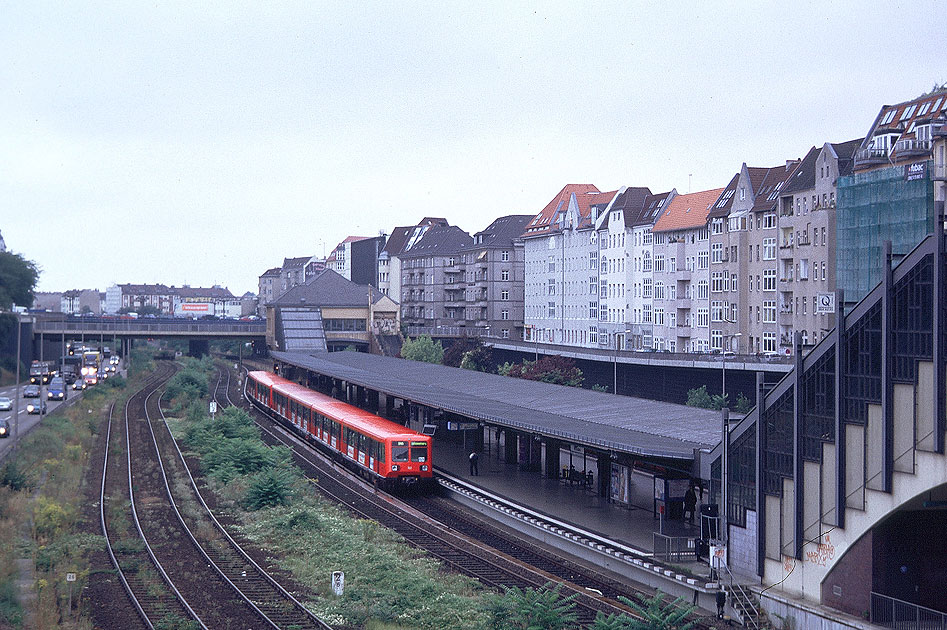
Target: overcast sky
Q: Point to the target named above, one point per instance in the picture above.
(200, 143)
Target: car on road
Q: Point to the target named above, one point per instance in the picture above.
(57, 389)
(5, 404)
(4, 428)
(38, 407)
(31, 391)
(79, 385)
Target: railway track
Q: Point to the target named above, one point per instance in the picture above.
(205, 575)
(464, 554)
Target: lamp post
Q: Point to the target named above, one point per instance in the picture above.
(723, 384)
(615, 361)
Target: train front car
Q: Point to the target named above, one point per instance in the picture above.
(380, 450)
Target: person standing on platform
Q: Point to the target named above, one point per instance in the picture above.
(721, 602)
(474, 459)
(690, 504)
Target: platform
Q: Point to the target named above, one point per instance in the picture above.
(572, 503)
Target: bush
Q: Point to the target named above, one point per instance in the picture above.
(698, 397)
(423, 349)
(270, 487)
(479, 359)
(12, 477)
(533, 608)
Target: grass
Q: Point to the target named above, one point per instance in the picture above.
(43, 517)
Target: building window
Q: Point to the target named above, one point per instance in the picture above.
(647, 288)
(593, 286)
(769, 279)
(716, 281)
(769, 312)
(769, 342)
(593, 310)
(551, 287)
(505, 333)
(716, 226)
(716, 252)
(769, 220)
(504, 295)
(505, 256)
(702, 290)
(702, 317)
(505, 314)
(769, 249)
(659, 263)
(552, 309)
(717, 311)
(505, 274)
(716, 339)
(703, 259)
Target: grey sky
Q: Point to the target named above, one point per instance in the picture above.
(200, 143)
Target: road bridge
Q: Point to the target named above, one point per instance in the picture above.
(49, 327)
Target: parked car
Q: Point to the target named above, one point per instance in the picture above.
(4, 428)
(5, 404)
(38, 407)
(31, 391)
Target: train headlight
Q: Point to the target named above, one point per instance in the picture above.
(395, 468)
(424, 468)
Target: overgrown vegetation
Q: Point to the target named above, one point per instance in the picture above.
(41, 498)
(423, 349)
(699, 397)
(550, 369)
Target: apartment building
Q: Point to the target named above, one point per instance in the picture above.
(806, 236)
(681, 239)
(269, 288)
(491, 280)
(425, 268)
(622, 257)
(759, 267)
(561, 263)
(356, 258)
(889, 195)
(292, 273)
(401, 240)
(639, 331)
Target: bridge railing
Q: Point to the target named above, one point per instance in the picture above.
(901, 615)
(134, 326)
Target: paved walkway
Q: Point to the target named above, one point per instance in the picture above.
(570, 503)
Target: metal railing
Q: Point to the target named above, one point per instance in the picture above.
(740, 600)
(673, 548)
(142, 326)
(901, 615)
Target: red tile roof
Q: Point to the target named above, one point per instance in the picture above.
(586, 196)
(687, 211)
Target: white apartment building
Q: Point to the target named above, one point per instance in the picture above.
(621, 232)
(561, 265)
(680, 266)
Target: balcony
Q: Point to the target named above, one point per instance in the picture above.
(870, 157)
(785, 318)
(784, 283)
(683, 275)
(684, 332)
(683, 303)
(912, 148)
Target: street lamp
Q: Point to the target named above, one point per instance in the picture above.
(615, 362)
(724, 368)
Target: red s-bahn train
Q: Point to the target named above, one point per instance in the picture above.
(384, 451)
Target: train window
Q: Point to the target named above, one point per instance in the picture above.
(362, 443)
(380, 452)
(419, 452)
(399, 451)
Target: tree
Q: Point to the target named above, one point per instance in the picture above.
(698, 397)
(479, 359)
(423, 349)
(454, 355)
(18, 278)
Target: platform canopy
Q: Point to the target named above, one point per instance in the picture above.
(621, 424)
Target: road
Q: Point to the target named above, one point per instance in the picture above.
(27, 421)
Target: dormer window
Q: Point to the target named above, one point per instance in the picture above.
(923, 132)
(742, 193)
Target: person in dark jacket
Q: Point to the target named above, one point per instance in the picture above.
(474, 459)
(721, 602)
(690, 504)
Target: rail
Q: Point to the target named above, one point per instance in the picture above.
(144, 326)
(673, 548)
(896, 613)
(741, 600)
